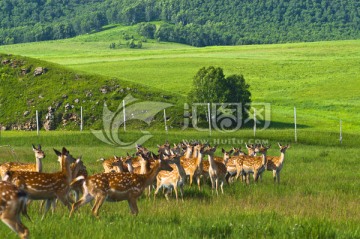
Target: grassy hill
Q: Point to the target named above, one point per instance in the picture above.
(319, 78)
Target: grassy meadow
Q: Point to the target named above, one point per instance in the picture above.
(318, 196)
(319, 78)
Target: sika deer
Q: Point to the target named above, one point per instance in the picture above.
(14, 166)
(255, 165)
(217, 170)
(193, 166)
(45, 186)
(115, 187)
(113, 164)
(172, 179)
(12, 204)
(275, 164)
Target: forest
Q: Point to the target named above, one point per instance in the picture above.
(195, 22)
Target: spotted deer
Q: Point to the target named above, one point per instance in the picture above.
(217, 170)
(45, 186)
(172, 179)
(15, 166)
(193, 166)
(255, 165)
(77, 169)
(115, 187)
(275, 164)
(113, 164)
(224, 160)
(12, 204)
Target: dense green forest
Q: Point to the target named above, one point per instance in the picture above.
(195, 22)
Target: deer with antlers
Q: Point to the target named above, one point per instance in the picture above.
(115, 187)
(45, 186)
(12, 204)
(15, 166)
(275, 164)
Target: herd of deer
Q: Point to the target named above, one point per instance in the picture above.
(126, 178)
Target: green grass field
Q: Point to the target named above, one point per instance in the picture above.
(318, 196)
(320, 79)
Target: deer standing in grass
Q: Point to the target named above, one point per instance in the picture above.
(115, 187)
(45, 186)
(113, 164)
(217, 170)
(275, 164)
(255, 165)
(172, 179)
(12, 204)
(34, 167)
(193, 166)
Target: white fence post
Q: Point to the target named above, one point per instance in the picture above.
(254, 122)
(37, 122)
(81, 118)
(209, 117)
(295, 124)
(166, 128)
(124, 116)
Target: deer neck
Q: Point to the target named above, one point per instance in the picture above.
(38, 165)
(180, 169)
(211, 160)
(130, 167)
(65, 169)
(151, 176)
(282, 158)
(199, 159)
(264, 160)
(188, 152)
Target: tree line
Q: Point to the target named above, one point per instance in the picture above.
(195, 22)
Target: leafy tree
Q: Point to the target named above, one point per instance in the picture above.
(211, 86)
(147, 30)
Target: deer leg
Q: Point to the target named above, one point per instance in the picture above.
(278, 177)
(133, 206)
(99, 201)
(191, 178)
(222, 186)
(216, 186)
(83, 200)
(274, 175)
(182, 192)
(15, 224)
(198, 179)
(158, 184)
(48, 203)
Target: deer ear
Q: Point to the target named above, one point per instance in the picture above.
(279, 145)
(57, 152)
(223, 150)
(231, 151)
(65, 151)
(39, 147)
(33, 147)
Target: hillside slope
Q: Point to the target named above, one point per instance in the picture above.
(58, 94)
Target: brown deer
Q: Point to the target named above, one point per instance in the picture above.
(116, 187)
(275, 164)
(217, 170)
(77, 169)
(172, 179)
(15, 166)
(12, 204)
(45, 186)
(193, 166)
(113, 164)
(255, 165)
